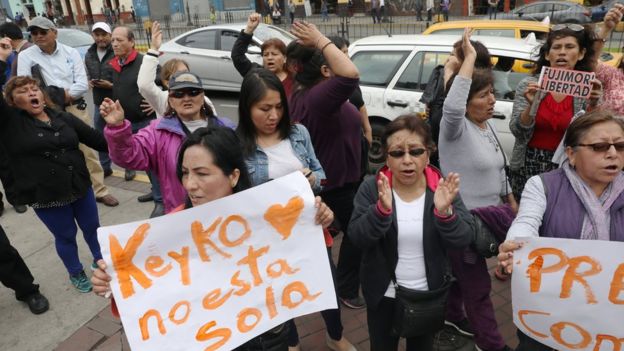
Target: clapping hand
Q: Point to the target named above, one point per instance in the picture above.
(112, 112)
(446, 192)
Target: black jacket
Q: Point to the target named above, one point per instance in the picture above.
(377, 236)
(126, 90)
(240, 60)
(46, 162)
(99, 69)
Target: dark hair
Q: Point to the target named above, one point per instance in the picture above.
(308, 63)
(20, 81)
(274, 42)
(11, 30)
(585, 40)
(411, 123)
(338, 41)
(483, 60)
(254, 87)
(223, 145)
(580, 126)
(481, 78)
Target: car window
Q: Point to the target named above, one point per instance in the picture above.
(74, 38)
(450, 31)
(533, 8)
(416, 74)
(205, 39)
(556, 7)
(506, 78)
(378, 67)
(539, 35)
(507, 33)
(228, 38)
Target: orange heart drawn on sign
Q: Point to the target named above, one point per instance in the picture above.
(284, 218)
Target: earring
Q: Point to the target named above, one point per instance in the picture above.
(234, 182)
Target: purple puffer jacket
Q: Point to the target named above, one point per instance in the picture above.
(153, 148)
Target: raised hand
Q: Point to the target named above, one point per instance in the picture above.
(5, 48)
(156, 36)
(252, 22)
(446, 192)
(112, 112)
(307, 34)
(467, 47)
(613, 17)
(385, 192)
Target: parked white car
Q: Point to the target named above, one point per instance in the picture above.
(208, 52)
(394, 72)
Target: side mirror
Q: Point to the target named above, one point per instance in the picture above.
(253, 50)
(520, 14)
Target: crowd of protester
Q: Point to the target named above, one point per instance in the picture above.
(407, 230)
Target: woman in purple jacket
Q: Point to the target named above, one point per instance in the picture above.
(584, 199)
(325, 79)
(156, 147)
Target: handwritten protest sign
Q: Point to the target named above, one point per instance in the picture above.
(569, 294)
(566, 81)
(214, 276)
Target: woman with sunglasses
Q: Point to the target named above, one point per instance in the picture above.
(404, 221)
(538, 119)
(584, 199)
(469, 145)
(273, 53)
(156, 147)
(274, 147)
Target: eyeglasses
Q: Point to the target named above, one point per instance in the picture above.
(178, 94)
(412, 152)
(571, 26)
(39, 32)
(604, 147)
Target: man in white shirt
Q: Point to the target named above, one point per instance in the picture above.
(63, 74)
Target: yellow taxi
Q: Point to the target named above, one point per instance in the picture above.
(508, 29)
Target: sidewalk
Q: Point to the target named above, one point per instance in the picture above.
(81, 322)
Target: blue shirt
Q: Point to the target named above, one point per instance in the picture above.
(63, 68)
(258, 162)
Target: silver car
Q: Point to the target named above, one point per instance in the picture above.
(207, 51)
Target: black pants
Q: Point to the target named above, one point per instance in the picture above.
(333, 321)
(526, 343)
(6, 176)
(14, 273)
(340, 200)
(271, 340)
(380, 330)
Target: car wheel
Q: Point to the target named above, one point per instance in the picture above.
(376, 158)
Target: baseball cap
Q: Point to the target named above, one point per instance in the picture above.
(40, 22)
(185, 80)
(103, 26)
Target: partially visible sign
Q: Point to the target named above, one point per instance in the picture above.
(569, 294)
(566, 81)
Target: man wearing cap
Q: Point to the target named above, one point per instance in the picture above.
(100, 75)
(63, 75)
(126, 65)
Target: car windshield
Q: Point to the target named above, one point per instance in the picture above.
(74, 38)
(264, 33)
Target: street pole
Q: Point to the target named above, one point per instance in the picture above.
(188, 14)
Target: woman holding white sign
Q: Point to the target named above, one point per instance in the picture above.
(404, 221)
(211, 166)
(584, 199)
(539, 119)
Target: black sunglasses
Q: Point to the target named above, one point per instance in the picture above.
(412, 152)
(178, 94)
(39, 32)
(604, 147)
(571, 26)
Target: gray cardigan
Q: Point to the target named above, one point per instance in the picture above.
(522, 133)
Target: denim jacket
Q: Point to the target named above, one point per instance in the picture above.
(258, 163)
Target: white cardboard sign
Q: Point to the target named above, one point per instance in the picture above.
(214, 276)
(569, 294)
(566, 81)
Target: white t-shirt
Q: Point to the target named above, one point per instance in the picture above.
(282, 159)
(195, 124)
(410, 270)
(101, 53)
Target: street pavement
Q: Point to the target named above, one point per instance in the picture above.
(81, 322)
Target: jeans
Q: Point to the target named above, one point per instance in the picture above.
(99, 124)
(61, 221)
(380, 330)
(136, 126)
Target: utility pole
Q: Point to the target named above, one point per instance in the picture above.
(188, 14)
